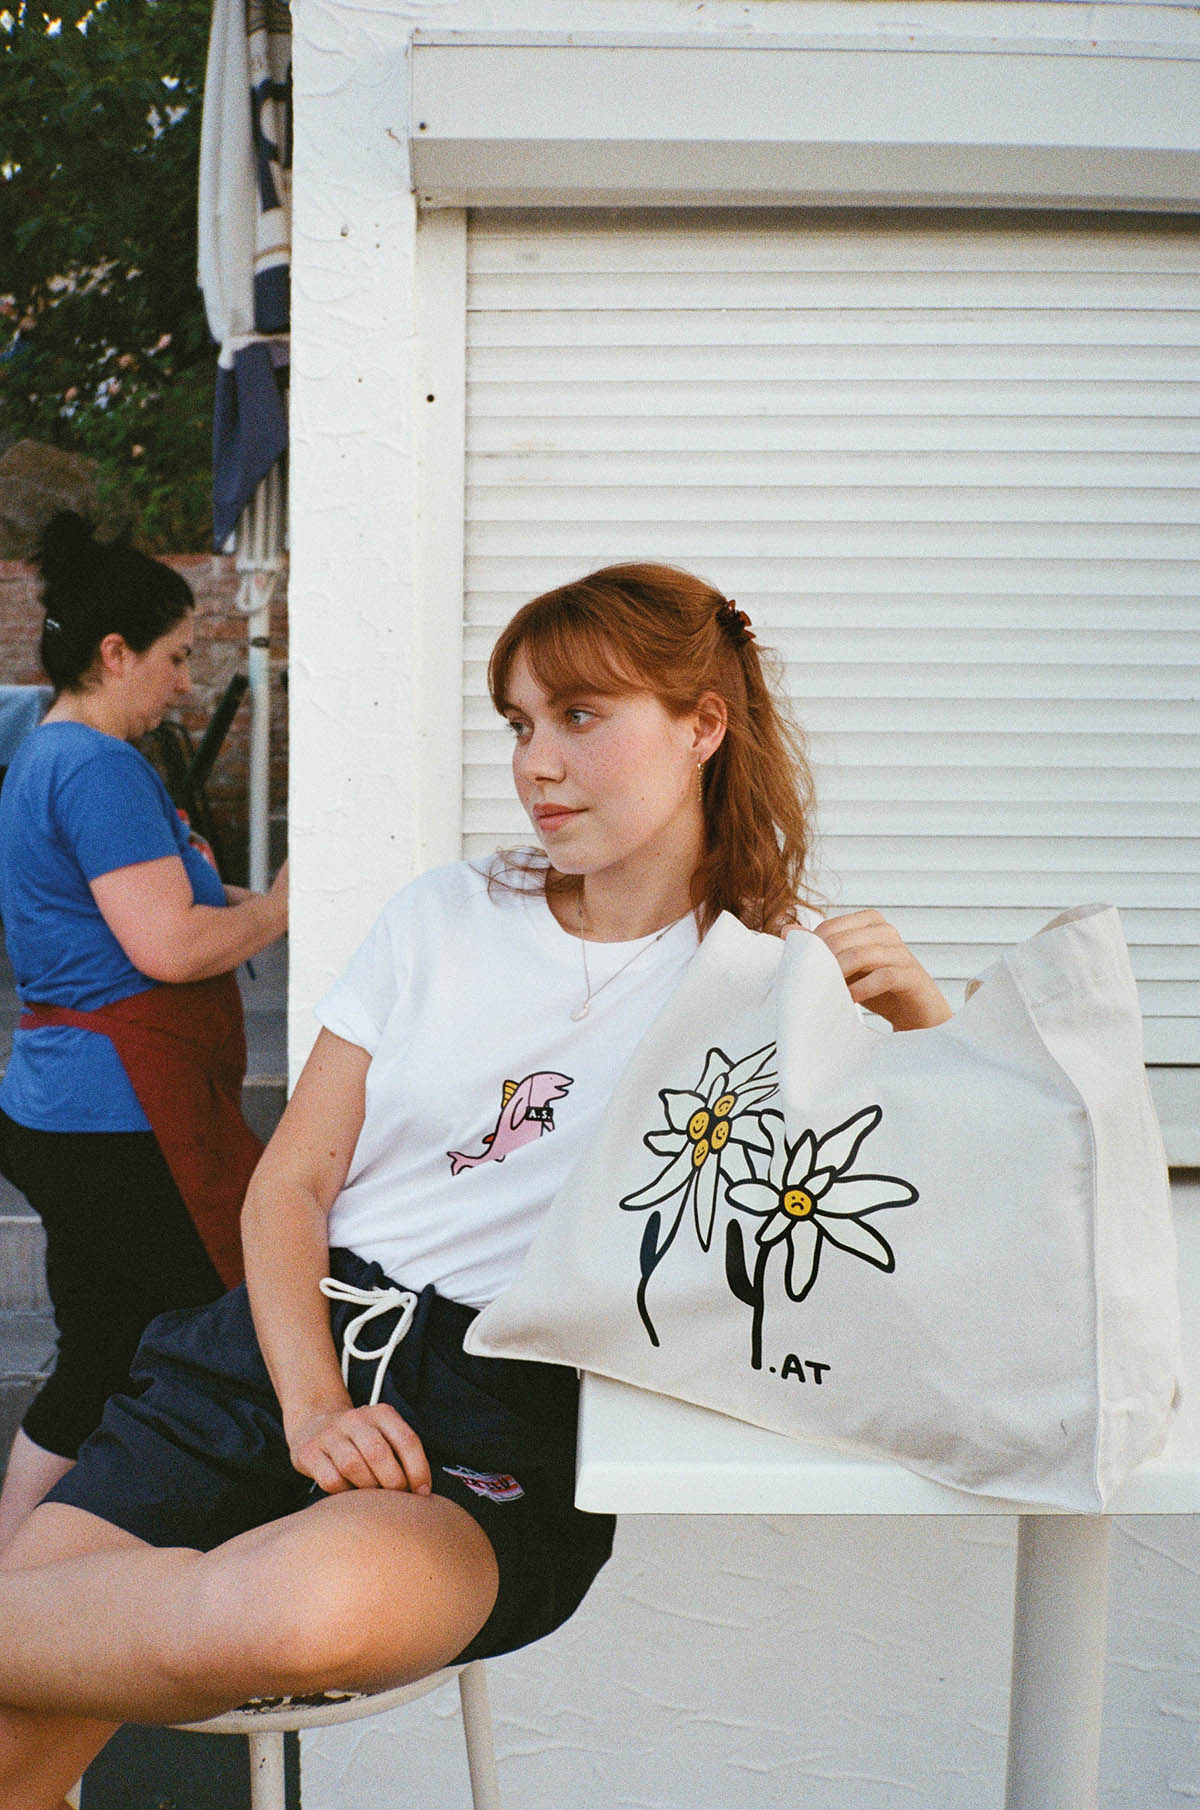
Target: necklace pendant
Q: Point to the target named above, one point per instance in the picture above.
(581, 1012)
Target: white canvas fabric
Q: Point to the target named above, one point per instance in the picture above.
(952, 1248)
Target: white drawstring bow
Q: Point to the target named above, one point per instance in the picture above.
(374, 1301)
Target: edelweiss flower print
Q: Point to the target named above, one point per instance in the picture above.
(706, 1140)
(805, 1193)
(809, 1197)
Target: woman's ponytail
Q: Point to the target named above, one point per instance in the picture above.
(758, 798)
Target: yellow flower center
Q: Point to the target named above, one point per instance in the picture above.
(708, 1129)
(797, 1203)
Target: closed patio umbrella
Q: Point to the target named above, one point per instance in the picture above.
(244, 271)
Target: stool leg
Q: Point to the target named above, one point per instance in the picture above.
(477, 1726)
(266, 1772)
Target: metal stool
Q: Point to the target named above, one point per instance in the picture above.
(265, 1721)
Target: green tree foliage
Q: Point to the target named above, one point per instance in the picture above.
(104, 347)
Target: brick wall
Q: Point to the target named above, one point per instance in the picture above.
(220, 643)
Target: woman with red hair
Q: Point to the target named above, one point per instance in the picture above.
(315, 1485)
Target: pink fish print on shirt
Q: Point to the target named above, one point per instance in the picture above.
(525, 1112)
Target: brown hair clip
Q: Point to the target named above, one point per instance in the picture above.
(735, 622)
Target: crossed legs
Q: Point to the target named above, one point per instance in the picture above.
(361, 1590)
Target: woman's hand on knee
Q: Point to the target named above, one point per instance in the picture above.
(360, 1448)
(882, 972)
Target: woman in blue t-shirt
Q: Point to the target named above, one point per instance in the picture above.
(119, 1114)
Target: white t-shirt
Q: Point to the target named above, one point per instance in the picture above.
(482, 1092)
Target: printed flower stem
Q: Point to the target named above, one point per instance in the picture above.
(650, 1258)
(756, 1324)
(753, 1293)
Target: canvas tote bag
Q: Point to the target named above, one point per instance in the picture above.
(952, 1247)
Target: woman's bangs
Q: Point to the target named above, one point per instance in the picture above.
(569, 653)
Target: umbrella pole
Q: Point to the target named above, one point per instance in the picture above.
(259, 560)
(259, 671)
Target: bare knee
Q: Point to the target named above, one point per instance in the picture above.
(399, 1590)
(393, 1587)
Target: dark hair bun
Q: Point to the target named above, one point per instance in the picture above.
(67, 549)
(92, 588)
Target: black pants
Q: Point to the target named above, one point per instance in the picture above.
(120, 1248)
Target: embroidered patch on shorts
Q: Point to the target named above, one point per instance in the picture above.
(497, 1485)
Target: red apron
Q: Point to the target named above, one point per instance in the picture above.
(184, 1050)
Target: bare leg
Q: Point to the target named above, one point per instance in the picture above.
(361, 1590)
(41, 1756)
(31, 1471)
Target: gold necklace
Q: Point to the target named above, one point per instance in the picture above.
(581, 1011)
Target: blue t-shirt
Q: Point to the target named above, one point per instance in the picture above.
(76, 804)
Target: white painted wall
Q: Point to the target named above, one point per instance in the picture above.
(776, 1664)
(842, 1665)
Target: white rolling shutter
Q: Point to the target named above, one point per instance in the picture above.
(948, 465)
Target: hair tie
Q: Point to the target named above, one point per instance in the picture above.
(735, 622)
(53, 625)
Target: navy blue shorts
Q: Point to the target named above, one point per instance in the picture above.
(196, 1454)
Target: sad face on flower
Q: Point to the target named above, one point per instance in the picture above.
(811, 1196)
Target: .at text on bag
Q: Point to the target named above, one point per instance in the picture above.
(950, 1247)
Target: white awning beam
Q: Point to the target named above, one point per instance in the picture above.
(553, 123)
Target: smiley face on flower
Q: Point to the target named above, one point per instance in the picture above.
(811, 1196)
(708, 1132)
